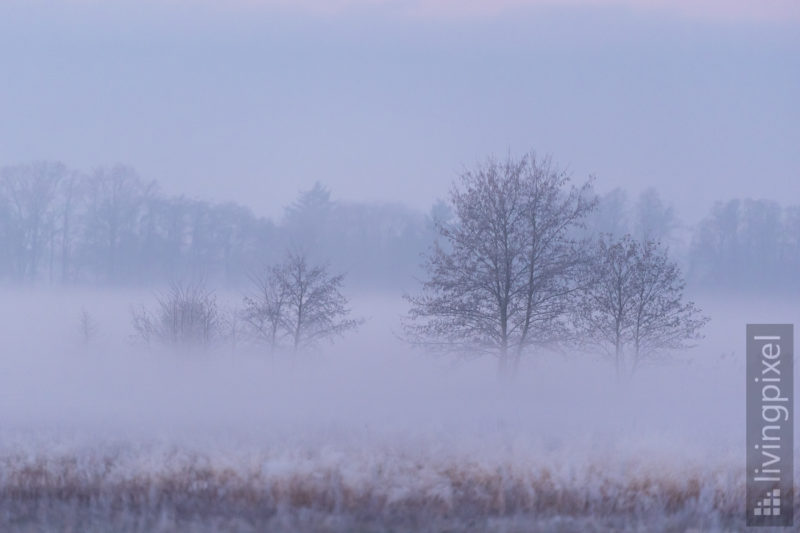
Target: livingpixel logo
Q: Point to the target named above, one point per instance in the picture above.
(770, 424)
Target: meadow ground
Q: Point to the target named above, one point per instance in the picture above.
(364, 436)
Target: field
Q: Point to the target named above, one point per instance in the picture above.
(364, 436)
(382, 487)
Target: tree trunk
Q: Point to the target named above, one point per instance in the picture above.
(503, 366)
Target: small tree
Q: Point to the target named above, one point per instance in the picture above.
(298, 303)
(632, 305)
(502, 275)
(265, 310)
(186, 316)
(231, 327)
(87, 328)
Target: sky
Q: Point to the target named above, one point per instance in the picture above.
(254, 100)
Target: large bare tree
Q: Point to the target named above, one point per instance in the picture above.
(299, 304)
(632, 303)
(501, 276)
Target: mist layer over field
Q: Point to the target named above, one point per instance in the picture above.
(365, 434)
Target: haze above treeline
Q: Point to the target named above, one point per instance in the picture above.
(112, 227)
(253, 100)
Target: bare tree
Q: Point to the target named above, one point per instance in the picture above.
(186, 316)
(632, 303)
(114, 199)
(231, 328)
(662, 319)
(87, 328)
(316, 309)
(611, 215)
(265, 310)
(655, 220)
(502, 275)
(30, 192)
(606, 304)
(69, 198)
(299, 303)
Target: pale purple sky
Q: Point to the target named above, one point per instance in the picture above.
(711, 9)
(252, 100)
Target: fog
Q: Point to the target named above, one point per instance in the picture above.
(363, 407)
(380, 104)
(389, 266)
(372, 382)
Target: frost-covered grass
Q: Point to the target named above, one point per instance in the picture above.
(363, 436)
(375, 486)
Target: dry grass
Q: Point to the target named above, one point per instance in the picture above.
(127, 490)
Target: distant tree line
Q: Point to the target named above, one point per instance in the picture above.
(747, 245)
(110, 226)
(648, 217)
(741, 245)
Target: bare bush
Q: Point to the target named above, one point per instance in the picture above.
(187, 315)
